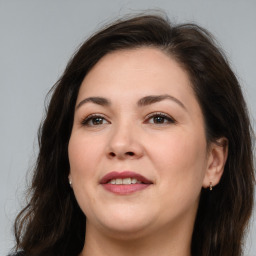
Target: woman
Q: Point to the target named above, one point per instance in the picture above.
(145, 149)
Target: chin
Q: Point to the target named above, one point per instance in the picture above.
(125, 226)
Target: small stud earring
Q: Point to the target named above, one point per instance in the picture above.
(210, 186)
(70, 182)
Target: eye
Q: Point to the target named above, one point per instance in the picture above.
(94, 120)
(160, 118)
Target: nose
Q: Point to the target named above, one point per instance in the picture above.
(125, 143)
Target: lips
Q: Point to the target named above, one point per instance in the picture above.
(125, 182)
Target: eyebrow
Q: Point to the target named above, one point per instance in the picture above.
(145, 101)
(148, 100)
(96, 100)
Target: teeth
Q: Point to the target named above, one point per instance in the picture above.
(119, 181)
(126, 181)
(133, 181)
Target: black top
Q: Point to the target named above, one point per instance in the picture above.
(17, 254)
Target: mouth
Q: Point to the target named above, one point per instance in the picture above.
(125, 182)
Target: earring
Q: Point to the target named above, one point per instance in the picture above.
(210, 186)
(70, 182)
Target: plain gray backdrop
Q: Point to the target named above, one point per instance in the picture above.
(38, 37)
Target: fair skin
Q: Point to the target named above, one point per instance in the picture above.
(161, 138)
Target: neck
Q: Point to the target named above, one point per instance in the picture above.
(163, 242)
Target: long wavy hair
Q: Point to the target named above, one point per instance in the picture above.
(52, 222)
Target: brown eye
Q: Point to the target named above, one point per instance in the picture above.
(94, 121)
(97, 120)
(160, 118)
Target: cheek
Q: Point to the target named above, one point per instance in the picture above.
(83, 156)
(83, 153)
(181, 158)
(180, 161)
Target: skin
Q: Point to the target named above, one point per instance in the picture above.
(172, 153)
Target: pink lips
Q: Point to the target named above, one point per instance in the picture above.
(124, 189)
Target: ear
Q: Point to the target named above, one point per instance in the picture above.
(217, 156)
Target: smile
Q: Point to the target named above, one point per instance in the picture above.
(123, 183)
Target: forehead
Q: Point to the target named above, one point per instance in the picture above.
(142, 69)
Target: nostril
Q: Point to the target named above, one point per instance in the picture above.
(130, 153)
(112, 154)
(125, 154)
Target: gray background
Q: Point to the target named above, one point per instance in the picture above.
(38, 37)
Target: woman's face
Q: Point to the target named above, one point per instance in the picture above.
(138, 154)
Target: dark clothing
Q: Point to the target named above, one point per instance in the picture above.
(17, 254)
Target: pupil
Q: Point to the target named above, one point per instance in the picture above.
(159, 119)
(97, 121)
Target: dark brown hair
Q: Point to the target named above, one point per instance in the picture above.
(53, 224)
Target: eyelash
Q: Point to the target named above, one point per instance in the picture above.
(167, 119)
(85, 121)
